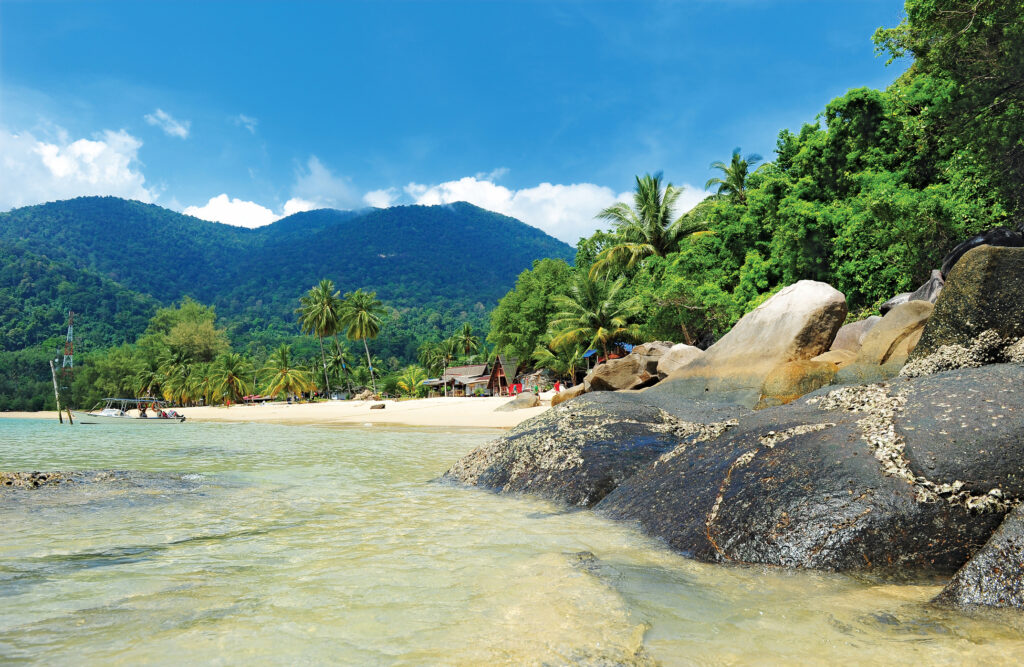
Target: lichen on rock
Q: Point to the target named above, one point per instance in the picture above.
(988, 348)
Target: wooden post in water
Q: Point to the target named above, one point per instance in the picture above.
(56, 391)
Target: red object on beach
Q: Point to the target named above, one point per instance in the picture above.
(558, 386)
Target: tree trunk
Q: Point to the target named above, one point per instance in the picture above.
(369, 364)
(323, 364)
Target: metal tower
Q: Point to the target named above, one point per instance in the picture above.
(67, 368)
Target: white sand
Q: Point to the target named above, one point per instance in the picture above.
(459, 412)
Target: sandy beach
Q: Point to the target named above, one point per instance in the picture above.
(457, 412)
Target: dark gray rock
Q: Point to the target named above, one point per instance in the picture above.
(995, 575)
(826, 483)
(377, 406)
(929, 292)
(579, 451)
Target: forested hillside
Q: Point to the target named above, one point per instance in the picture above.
(114, 261)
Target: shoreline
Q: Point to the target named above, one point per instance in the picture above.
(455, 412)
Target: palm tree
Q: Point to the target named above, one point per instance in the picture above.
(735, 173)
(594, 314)
(282, 375)
(565, 361)
(230, 376)
(465, 340)
(411, 379)
(361, 314)
(429, 355)
(320, 314)
(339, 364)
(647, 228)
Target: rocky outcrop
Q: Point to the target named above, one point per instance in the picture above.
(987, 348)
(677, 356)
(33, 480)
(520, 402)
(888, 344)
(637, 369)
(578, 452)
(995, 575)
(838, 357)
(984, 290)
(791, 380)
(851, 336)
(364, 395)
(914, 474)
(856, 478)
(797, 323)
(566, 394)
(929, 292)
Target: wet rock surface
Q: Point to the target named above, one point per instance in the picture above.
(33, 480)
(14, 484)
(578, 452)
(995, 575)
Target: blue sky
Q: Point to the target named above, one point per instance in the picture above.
(243, 112)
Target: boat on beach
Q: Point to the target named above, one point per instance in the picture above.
(146, 410)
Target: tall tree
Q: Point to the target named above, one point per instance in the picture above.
(734, 175)
(565, 361)
(361, 314)
(647, 228)
(281, 374)
(339, 364)
(595, 314)
(320, 314)
(466, 340)
(230, 374)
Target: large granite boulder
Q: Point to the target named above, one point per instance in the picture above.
(888, 344)
(856, 478)
(851, 336)
(984, 290)
(929, 292)
(799, 322)
(578, 452)
(793, 379)
(995, 575)
(677, 356)
(838, 357)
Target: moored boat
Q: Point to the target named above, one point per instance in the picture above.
(147, 410)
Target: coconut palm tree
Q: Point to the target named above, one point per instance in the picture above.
(411, 379)
(565, 361)
(465, 340)
(429, 356)
(230, 376)
(319, 314)
(339, 363)
(647, 228)
(281, 375)
(360, 314)
(735, 175)
(594, 313)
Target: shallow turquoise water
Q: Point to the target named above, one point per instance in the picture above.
(281, 545)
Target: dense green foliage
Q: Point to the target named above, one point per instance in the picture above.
(115, 262)
(869, 197)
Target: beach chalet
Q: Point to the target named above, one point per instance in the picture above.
(503, 375)
(462, 380)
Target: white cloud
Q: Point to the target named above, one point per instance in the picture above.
(296, 205)
(170, 125)
(564, 211)
(315, 183)
(248, 122)
(233, 212)
(36, 170)
(381, 198)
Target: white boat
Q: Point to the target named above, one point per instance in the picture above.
(147, 410)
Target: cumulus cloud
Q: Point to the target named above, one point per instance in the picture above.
(381, 198)
(34, 170)
(315, 183)
(566, 212)
(233, 212)
(171, 126)
(248, 122)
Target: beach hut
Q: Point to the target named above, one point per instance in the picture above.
(503, 375)
(459, 376)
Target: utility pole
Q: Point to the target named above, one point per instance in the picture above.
(56, 391)
(67, 367)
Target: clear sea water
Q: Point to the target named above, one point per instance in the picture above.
(263, 544)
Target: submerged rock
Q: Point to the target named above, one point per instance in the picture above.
(33, 480)
(578, 452)
(995, 575)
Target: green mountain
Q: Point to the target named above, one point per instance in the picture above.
(114, 261)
